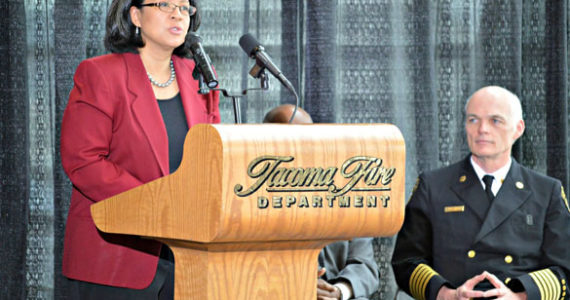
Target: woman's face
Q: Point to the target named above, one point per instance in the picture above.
(161, 29)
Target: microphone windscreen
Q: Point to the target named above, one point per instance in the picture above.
(248, 43)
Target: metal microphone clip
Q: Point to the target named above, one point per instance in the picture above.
(257, 71)
(203, 88)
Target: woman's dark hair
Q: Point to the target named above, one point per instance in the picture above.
(120, 35)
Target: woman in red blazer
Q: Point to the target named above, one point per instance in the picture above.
(124, 125)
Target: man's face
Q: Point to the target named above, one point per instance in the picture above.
(490, 125)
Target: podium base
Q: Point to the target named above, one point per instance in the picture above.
(269, 270)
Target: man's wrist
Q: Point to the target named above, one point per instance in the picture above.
(345, 290)
(341, 297)
(445, 293)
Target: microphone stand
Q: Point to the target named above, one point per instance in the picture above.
(256, 72)
(204, 89)
(264, 85)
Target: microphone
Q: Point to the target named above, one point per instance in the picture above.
(254, 50)
(202, 60)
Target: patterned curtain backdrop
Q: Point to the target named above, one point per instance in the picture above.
(410, 63)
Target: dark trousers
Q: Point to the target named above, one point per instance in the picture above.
(161, 287)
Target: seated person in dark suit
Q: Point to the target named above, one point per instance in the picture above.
(347, 268)
(486, 227)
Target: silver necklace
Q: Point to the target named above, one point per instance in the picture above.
(170, 80)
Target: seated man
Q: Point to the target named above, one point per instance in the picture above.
(486, 227)
(347, 268)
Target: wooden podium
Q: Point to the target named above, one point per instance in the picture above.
(251, 206)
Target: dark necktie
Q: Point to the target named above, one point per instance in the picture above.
(488, 180)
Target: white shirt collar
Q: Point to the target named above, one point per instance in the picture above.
(499, 175)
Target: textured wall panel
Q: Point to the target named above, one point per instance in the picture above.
(41, 125)
(13, 150)
(321, 69)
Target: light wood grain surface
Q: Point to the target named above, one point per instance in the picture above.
(253, 246)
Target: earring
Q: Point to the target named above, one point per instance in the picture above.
(137, 31)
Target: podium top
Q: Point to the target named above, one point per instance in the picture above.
(270, 182)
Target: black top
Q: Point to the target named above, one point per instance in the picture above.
(176, 128)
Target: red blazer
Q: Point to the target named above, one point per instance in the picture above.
(113, 139)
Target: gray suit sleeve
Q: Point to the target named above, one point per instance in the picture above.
(356, 264)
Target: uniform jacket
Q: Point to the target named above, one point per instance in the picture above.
(113, 138)
(451, 233)
(354, 262)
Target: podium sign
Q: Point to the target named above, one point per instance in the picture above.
(251, 206)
